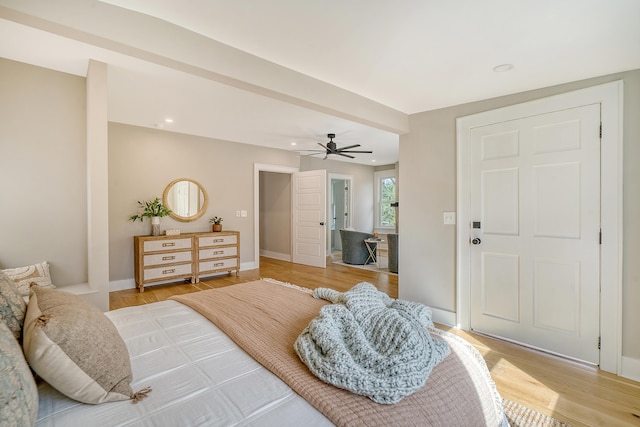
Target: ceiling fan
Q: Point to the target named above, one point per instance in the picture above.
(332, 148)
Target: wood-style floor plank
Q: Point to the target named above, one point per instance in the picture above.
(577, 394)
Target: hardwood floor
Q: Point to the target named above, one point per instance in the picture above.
(577, 394)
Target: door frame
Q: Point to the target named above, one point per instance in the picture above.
(610, 98)
(331, 177)
(257, 168)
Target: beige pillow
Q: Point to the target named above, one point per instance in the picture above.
(75, 348)
(24, 276)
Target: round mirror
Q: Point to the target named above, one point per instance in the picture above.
(186, 198)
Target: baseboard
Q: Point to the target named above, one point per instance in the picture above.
(121, 285)
(275, 255)
(248, 265)
(443, 317)
(630, 368)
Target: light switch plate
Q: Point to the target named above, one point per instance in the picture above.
(449, 217)
(243, 213)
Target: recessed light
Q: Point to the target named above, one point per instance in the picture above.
(373, 161)
(503, 68)
(168, 120)
(293, 143)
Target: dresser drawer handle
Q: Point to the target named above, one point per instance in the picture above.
(219, 264)
(218, 240)
(218, 252)
(173, 270)
(168, 258)
(164, 245)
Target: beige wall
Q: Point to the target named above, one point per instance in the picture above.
(142, 162)
(275, 214)
(43, 200)
(428, 175)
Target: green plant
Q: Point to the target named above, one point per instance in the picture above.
(150, 209)
(215, 220)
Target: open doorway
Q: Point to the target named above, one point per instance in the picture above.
(340, 208)
(258, 242)
(286, 200)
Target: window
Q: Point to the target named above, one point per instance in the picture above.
(385, 196)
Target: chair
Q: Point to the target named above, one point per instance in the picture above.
(392, 244)
(354, 250)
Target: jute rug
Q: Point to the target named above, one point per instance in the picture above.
(521, 416)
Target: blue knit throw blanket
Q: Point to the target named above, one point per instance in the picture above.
(371, 344)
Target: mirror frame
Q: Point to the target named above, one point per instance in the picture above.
(198, 214)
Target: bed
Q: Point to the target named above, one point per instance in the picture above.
(211, 361)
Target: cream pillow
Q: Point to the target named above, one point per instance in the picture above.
(24, 276)
(75, 348)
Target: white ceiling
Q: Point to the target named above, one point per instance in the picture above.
(362, 65)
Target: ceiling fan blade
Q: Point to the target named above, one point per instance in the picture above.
(323, 146)
(345, 155)
(349, 147)
(363, 152)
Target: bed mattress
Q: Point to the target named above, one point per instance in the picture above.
(198, 375)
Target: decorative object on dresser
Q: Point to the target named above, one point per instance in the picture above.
(189, 256)
(153, 209)
(186, 198)
(216, 223)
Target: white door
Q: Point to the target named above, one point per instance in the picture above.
(339, 211)
(535, 212)
(309, 218)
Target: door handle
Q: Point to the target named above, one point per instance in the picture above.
(476, 241)
(322, 223)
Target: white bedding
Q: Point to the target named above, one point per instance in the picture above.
(198, 375)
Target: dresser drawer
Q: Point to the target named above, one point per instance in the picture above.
(167, 244)
(167, 258)
(217, 240)
(218, 252)
(221, 264)
(167, 272)
(170, 258)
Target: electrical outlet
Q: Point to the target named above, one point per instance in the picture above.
(449, 218)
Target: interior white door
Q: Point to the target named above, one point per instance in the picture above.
(535, 209)
(309, 218)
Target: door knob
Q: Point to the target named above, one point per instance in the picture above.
(322, 223)
(476, 241)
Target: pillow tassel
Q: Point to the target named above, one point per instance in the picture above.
(139, 395)
(42, 320)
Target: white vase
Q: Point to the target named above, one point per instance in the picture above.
(155, 225)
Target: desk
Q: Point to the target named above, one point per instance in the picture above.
(372, 247)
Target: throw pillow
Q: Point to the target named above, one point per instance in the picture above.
(18, 390)
(12, 306)
(75, 348)
(24, 276)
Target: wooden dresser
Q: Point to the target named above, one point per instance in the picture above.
(189, 255)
